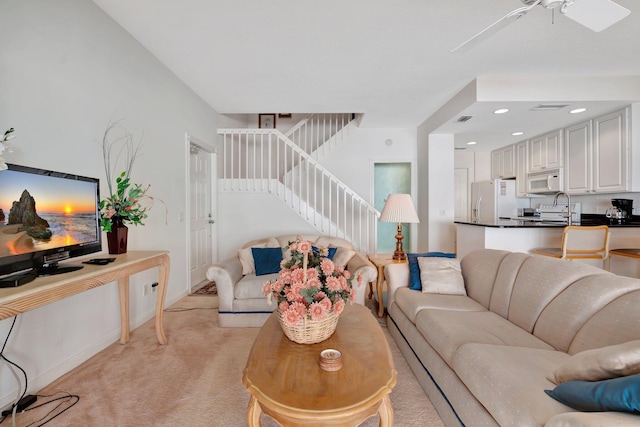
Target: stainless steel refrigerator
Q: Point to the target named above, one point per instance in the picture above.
(491, 200)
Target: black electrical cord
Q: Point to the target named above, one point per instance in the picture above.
(68, 397)
(6, 340)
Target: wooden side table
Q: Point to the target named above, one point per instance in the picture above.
(380, 261)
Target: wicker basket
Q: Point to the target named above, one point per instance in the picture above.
(309, 331)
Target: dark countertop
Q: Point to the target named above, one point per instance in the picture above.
(585, 220)
(508, 223)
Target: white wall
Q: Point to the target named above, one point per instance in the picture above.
(65, 69)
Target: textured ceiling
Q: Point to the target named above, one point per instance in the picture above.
(388, 60)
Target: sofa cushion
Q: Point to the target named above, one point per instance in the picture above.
(343, 256)
(250, 286)
(615, 323)
(447, 330)
(600, 363)
(539, 281)
(266, 260)
(415, 281)
(574, 306)
(412, 302)
(505, 279)
(246, 258)
(479, 269)
(617, 394)
(441, 276)
(509, 381)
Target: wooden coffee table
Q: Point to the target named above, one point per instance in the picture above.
(286, 382)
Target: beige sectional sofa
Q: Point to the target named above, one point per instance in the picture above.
(484, 359)
(241, 303)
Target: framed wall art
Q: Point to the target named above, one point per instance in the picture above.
(267, 121)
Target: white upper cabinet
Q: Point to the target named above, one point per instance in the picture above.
(610, 155)
(579, 164)
(546, 152)
(503, 163)
(597, 155)
(521, 168)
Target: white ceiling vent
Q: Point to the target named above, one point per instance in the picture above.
(463, 119)
(549, 107)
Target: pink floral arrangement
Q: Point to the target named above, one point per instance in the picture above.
(310, 285)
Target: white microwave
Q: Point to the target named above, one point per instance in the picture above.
(549, 181)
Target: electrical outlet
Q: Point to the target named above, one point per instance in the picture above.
(146, 289)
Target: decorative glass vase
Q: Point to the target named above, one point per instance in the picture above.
(308, 331)
(117, 237)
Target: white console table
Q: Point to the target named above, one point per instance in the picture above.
(48, 289)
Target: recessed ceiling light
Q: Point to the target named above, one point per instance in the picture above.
(501, 111)
(578, 110)
(471, 143)
(517, 133)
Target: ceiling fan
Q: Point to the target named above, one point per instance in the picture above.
(593, 14)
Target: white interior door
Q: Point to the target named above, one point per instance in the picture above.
(202, 221)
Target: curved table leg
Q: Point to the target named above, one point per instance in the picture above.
(379, 291)
(253, 412)
(163, 278)
(385, 410)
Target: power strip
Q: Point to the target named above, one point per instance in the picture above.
(23, 404)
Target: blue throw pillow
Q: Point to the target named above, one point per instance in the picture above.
(414, 269)
(266, 260)
(620, 394)
(332, 251)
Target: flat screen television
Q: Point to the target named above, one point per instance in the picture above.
(45, 217)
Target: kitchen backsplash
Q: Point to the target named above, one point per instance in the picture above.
(594, 204)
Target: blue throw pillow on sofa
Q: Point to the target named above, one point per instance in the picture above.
(620, 394)
(414, 269)
(266, 260)
(332, 251)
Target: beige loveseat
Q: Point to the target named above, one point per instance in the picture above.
(241, 303)
(485, 359)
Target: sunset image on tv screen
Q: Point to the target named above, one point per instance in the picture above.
(40, 212)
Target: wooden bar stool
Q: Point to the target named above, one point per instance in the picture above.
(580, 242)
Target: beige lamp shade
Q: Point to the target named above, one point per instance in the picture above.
(399, 208)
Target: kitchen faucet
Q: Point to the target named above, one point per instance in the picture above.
(555, 203)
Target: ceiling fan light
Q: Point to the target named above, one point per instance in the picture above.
(552, 4)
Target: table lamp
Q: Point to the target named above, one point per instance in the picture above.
(399, 208)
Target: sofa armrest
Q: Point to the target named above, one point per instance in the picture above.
(359, 264)
(593, 419)
(226, 274)
(397, 276)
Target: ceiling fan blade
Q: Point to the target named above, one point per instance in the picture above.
(596, 15)
(495, 27)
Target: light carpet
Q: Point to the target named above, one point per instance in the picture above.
(194, 380)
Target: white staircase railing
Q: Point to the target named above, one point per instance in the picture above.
(318, 134)
(265, 160)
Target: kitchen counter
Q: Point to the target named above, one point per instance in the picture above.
(523, 236)
(585, 220)
(510, 223)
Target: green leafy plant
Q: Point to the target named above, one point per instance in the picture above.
(127, 202)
